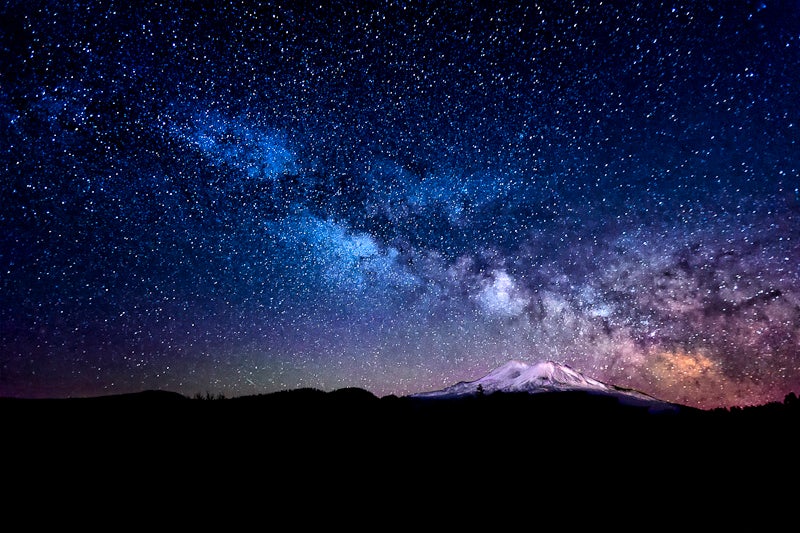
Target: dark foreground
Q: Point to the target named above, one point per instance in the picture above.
(348, 449)
(304, 460)
(308, 419)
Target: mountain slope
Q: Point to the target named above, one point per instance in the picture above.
(547, 376)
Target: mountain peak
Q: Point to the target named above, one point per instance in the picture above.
(544, 376)
(518, 376)
(543, 370)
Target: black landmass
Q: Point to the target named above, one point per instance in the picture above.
(299, 411)
(311, 433)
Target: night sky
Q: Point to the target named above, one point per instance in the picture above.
(241, 197)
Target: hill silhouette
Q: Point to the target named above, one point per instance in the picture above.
(560, 411)
(292, 435)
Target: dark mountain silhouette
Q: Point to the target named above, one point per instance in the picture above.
(296, 441)
(567, 416)
(556, 405)
(346, 426)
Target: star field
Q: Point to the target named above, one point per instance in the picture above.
(243, 197)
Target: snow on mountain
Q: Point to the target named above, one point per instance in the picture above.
(547, 376)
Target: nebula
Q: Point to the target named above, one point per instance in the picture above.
(399, 196)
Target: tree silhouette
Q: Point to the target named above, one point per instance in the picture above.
(791, 401)
(209, 396)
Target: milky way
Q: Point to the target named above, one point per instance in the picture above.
(242, 197)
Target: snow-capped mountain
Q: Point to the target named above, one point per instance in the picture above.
(547, 376)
